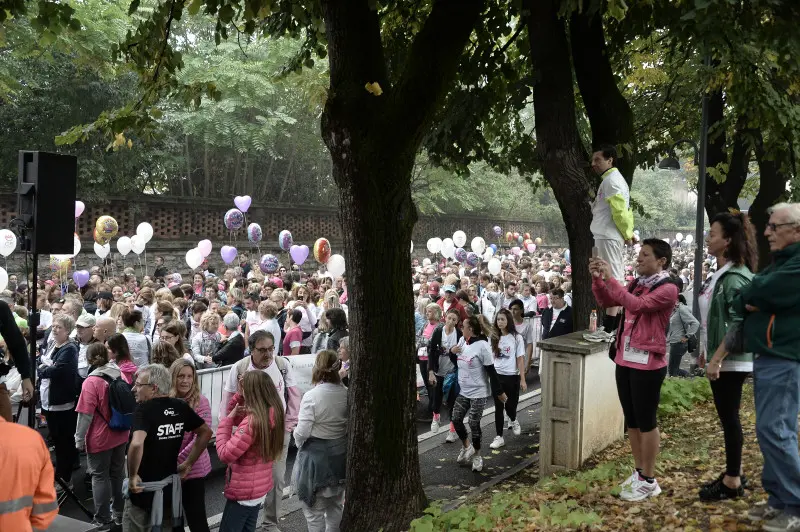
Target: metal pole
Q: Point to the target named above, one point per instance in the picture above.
(33, 324)
(701, 203)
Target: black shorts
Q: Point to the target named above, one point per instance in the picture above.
(639, 393)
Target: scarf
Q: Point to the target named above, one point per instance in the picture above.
(651, 280)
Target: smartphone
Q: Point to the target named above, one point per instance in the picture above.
(595, 252)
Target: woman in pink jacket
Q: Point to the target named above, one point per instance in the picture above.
(256, 414)
(640, 355)
(186, 387)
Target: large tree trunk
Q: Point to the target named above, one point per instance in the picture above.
(721, 197)
(373, 140)
(559, 145)
(771, 189)
(610, 116)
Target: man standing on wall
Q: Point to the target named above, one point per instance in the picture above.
(612, 220)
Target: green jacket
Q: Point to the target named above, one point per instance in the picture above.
(722, 313)
(775, 328)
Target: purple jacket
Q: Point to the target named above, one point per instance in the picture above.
(202, 467)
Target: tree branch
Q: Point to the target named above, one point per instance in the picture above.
(514, 37)
(166, 40)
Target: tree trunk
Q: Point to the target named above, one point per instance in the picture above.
(558, 143)
(237, 165)
(263, 193)
(771, 189)
(288, 173)
(721, 197)
(610, 116)
(248, 176)
(188, 168)
(206, 173)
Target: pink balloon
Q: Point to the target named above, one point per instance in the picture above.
(531, 248)
(299, 253)
(205, 247)
(79, 208)
(242, 202)
(516, 251)
(228, 254)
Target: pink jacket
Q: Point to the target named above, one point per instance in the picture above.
(202, 467)
(128, 370)
(248, 476)
(653, 310)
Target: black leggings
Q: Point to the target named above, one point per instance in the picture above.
(61, 426)
(438, 396)
(194, 504)
(510, 385)
(423, 370)
(727, 398)
(639, 394)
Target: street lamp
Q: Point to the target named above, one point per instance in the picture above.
(671, 162)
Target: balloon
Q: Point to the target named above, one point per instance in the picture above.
(336, 265)
(509, 236)
(494, 266)
(8, 242)
(461, 255)
(242, 202)
(520, 240)
(568, 256)
(194, 258)
(527, 236)
(494, 248)
(76, 246)
(637, 248)
(322, 250)
(412, 247)
(268, 263)
(679, 237)
(106, 228)
(448, 248)
(59, 263)
(205, 247)
(473, 259)
(478, 245)
(145, 231)
(488, 254)
(434, 245)
(79, 208)
(234, 220)
(688, 239)
(124, 245)
(3, 279)
(515, 235)
(426, 262)
(137, 244)
(285, 240)
(228, 254)
(459, 238)
(538, 241)
(516, 251)
(254, 233)
(299, 254)
(81, 277)
(497, 230)
(102, 251)
(531, 247)
(100, 239)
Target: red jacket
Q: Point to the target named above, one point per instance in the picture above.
(456, 305)
(249, 476)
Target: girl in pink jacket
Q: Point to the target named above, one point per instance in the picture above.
(248, 441)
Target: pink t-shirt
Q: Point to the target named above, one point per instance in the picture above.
(93, 401)
(293, 338)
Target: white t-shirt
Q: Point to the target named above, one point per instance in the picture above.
(252, 318)
(472, 377)
(556, 312)
(529, 304)
(525, 330)
(45, 319)
(603, 226)
(445, 364)
(272, 370)
(271, 326)
(511, 347)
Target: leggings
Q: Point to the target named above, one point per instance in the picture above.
(676, 352)
(727, 398)
(194, 504)
(473, 407)
(438, 395)
(510, 385)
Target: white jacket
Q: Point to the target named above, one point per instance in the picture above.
(323, 413)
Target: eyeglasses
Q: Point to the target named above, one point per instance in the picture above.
(140, 384)
(774, 227)
(264, 350)
(167, 337)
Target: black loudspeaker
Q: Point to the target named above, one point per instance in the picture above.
(46, 200)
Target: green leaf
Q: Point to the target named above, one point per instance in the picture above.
(194, 7)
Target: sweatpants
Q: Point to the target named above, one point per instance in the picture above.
(474, 408)
(62, 425)
(510, 386)
(727, 398)
(108, 471)
(326, 512)
(193, 496)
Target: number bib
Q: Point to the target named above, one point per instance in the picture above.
(632, 354)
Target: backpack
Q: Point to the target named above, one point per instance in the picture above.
(121, 402)
(283, 367)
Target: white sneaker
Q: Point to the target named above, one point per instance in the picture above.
(515, 428)
(435, 425)
(506, 421)
(497, 443)
(452, 437)
(627, 481)
(466, 454)
(639, 490)
(477, 463)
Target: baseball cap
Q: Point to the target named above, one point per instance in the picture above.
(449, 288)
(85, 320)
(105, 295)
(434, 287)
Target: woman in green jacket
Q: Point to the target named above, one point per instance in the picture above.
(732, 241)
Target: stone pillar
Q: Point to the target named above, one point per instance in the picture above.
(581, 413)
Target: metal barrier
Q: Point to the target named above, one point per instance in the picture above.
(537, 335)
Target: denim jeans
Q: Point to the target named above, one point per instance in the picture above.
(107, 469)
(238, 517)
(676, 352)
(777, 397)
(272, 502)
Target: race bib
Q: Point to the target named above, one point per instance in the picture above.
(637, 356)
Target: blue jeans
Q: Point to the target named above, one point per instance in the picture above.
(238, 517)
(777, 397)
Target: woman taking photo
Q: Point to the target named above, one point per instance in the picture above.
(321, 437)
(443, 339)
(207, 341)
(478, 381)
(186, 387)
(118, 352)
(682, 325)
(640, 355)
(732, 241)
(508, 347)
(256, 410)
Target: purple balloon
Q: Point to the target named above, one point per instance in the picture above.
(497, 230)
(234, 219)
(473, 259)
(228, 254)
(268, 263)
(254, 233)
(285, 240)
(81, 277)
(242, 202)
(461, 255)
(299, 253)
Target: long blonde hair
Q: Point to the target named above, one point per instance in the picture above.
(193, 397)
(265, 409)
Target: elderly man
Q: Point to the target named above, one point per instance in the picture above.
(84, 327)
(103, 328)
(772, 332)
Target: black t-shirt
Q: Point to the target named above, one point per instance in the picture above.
(165, 420)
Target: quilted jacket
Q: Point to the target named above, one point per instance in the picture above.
(202, 467)
(248, 476)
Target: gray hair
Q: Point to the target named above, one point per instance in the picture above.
(66, 321)
(792, 211)
(345, 342)
(231, 321)
(159, 377)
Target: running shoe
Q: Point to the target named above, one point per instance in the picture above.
(435, 424)
(780, 523)
(477, 463)
(639, 490)
(452, 437)
(763, 512)
(497, 443)
(630, 479)
(515, 428)
(466, 454)
(598, 336)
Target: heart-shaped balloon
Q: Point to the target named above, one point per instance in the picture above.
(242, 202)
(81, 277)
(205, 247)
(228, 254)
(299, 254)
(79, 208)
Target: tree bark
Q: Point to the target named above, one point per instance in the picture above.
(559, 145)
(721, 197)
(206, 173)
(188, 168)
(288, 173)
(610, 116)
(373, 141)
(263, 193)
(772, 188)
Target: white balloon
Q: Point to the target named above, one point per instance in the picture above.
(488, 254)
(412, 247)
(145, 231)
(679, 237)
(688, 239)
(434, 245)
(102, 251)
(124, 245)
(194, 258)
(137, 244)
(459, 238)
(76, 246)
(478, 245)
(494, 266)
(426, 262)
(335, 265)
(3, 279)
(8, 242)
(448, 248)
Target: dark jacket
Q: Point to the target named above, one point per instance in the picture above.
(334, 337)
(562, 326)
(160, 272)
(14, 340)
(435, 348)
(63, 374)
(230, 352)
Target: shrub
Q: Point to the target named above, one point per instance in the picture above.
(680, 395)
